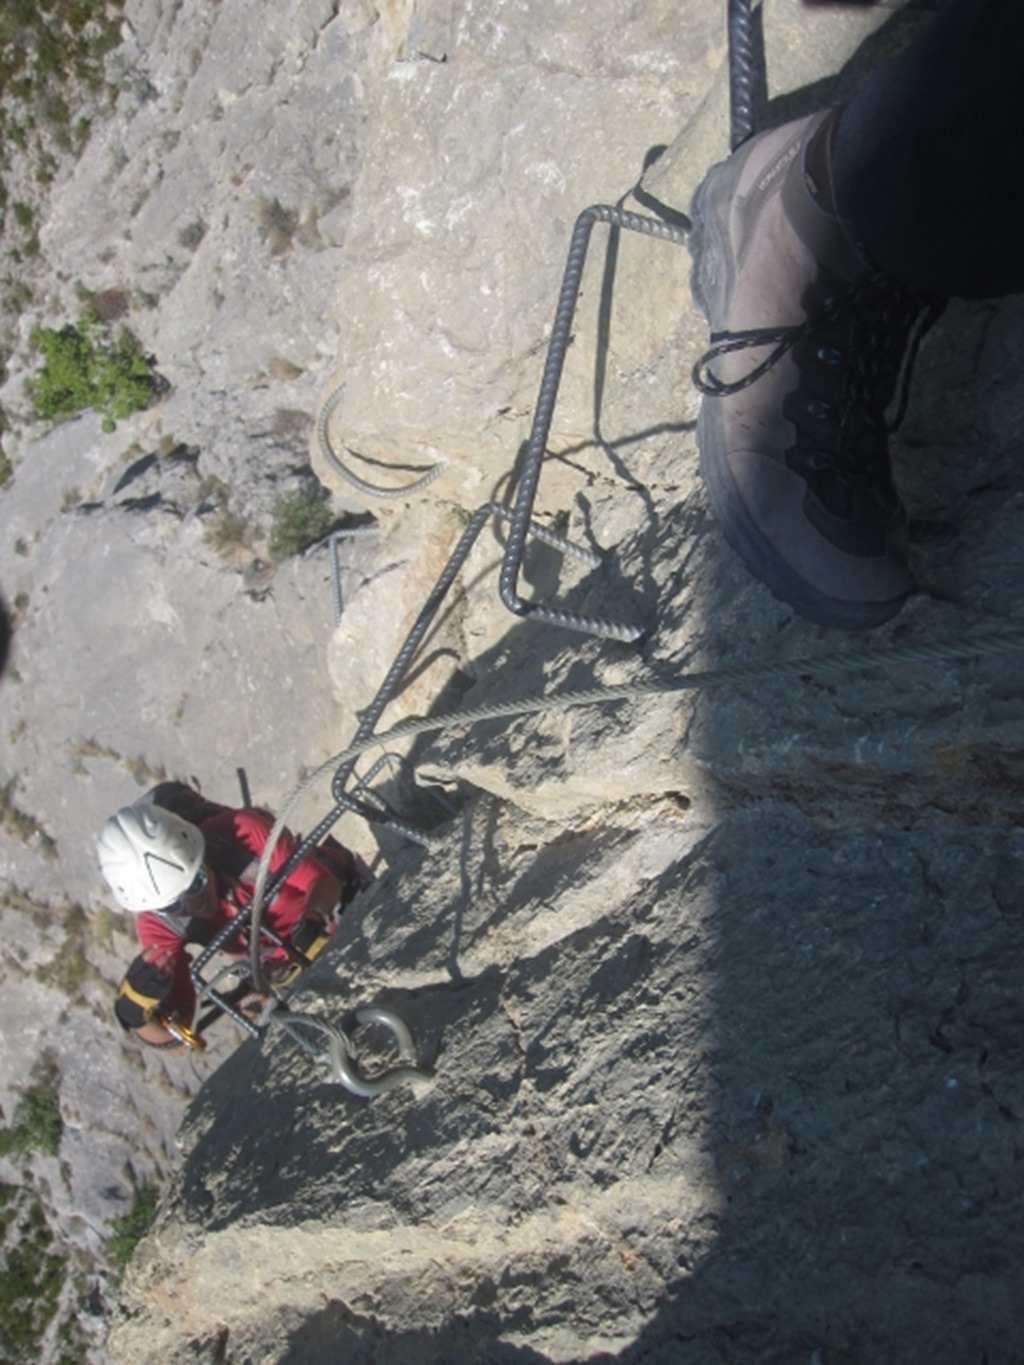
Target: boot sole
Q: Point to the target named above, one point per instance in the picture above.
(710, 273)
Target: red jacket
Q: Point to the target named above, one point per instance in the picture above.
(234, 839)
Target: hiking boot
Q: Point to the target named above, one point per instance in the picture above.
(806, 377)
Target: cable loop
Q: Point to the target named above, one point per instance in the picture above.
(342, 1058)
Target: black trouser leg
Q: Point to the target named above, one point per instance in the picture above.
(928, 160)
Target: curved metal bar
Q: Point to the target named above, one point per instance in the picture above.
(377, 1014)
(389, 687)
(386, 818)
(363, 485)
(389, 758)
(341, 1058)
(346, 533)
(558, 345)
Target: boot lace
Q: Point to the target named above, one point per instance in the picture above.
(874, 330)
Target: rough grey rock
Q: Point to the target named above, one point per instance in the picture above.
(716, 986)
(751, 1085)
(150, 636)
(475, 169)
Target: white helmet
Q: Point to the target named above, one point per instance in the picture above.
(149, 856)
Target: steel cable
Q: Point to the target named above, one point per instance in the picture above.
(992, 638)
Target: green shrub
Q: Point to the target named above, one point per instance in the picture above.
(299, 520)
(129, 1230)
(38, 1125)
(32, 1274)
(86, 366)
(228, 531)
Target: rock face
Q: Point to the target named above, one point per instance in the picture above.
(716, 987)
(743, 1087)
(206, 213)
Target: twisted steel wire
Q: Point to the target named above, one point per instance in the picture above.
(990, 639)
(536, 446)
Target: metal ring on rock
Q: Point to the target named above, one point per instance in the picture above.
(341, 1055)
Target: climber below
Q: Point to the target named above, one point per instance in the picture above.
(185, 867)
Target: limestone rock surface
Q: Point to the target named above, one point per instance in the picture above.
(715, 987)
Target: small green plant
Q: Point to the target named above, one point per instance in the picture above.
(38, 1125)
(86, 366)
(228, 530)
(37, 1122)
(299, 520)
(32, 1274)
(128, 1230)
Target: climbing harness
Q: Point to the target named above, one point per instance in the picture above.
(181, 1033)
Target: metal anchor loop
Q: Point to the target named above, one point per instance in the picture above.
(342, 1057)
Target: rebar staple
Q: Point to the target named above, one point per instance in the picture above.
(742, 71)
(536, 446)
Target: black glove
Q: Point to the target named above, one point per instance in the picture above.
(146, 988)
(309, 936)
